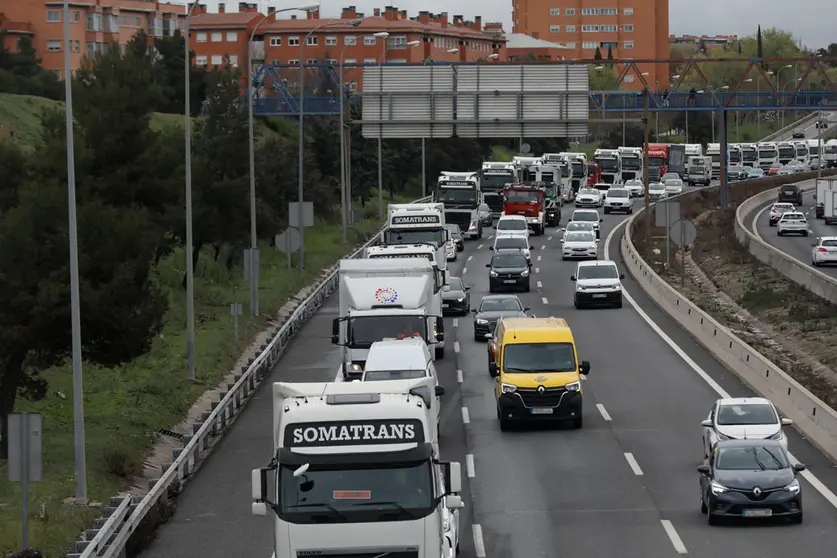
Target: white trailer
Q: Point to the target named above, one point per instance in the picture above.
(829, 156)
(814, 152)
(821, 195)
(357, 472)
(418, 223)
(830, 214)
(693, 150)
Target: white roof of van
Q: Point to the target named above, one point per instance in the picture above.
(400, 354)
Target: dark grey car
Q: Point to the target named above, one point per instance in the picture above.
(493, 308)
(456, 297)
(486, 217)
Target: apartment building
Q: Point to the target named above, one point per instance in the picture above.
(631, 29)
(95, 25)
(702, 41)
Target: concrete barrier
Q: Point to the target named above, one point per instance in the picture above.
(815, 419)
(802, 273)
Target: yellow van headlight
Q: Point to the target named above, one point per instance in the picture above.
(509, 388)
(574, 386)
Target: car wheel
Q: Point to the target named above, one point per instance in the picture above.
(504, 423)
(606, 211)
(796, 519)
(577, 305)
(477, 337)
(703, 508)
(578, 422)
(618, 303)
(711, 519)
(440, 353)
(815, 263)
(805, 233)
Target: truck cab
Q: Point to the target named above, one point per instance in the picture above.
(699, 171)
(493, 178)
(631, 163)
(787, 152)
(750, 155)
(459, 192)
(578, 174)
(610, 161)
(529, 202)
(768, 155)
(713, 150)
(356, 471)
(657, 161)
(418, 223)
(829, 157)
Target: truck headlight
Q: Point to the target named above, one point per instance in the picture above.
(473, 226)
(460, 299)
(574, 386)
(509, 388)
(481, 321)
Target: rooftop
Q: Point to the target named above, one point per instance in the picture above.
(519, 40)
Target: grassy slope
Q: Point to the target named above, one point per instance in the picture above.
(125, 407)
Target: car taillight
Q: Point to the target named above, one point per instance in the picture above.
(821, 250)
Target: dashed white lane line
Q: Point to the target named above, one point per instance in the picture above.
(466, 417)
(633, 464)
(479, 543)
(543, 246)
(464, 270)
(459, 376)
(583, 378)
(675, 539)
(456, 322)
(539, 258)
(544, 300)
(540, 285)
(490, 237)
(549, 238)
(537, 270)
(456, 346)
(469, 258)
(469, 466)
(479, 247)
(602, 410)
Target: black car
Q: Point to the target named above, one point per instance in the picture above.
(456, 297)
(486, 217)
(750, 479)
(493, 308)
(553, 213)
(790, 193)
(822, 124)
(508, 270)
(456, 237)
(799, 135)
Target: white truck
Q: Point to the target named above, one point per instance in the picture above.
(768, 155)
(610, 161)
(734, 154)
(750, 155)
(459, 192)
(418, 223)
(787, 152)
(829, 155)
(386, 298)
(356, 472)
(693, 150)
(814, 152)
(578, 174)
(631, 163)
(713, 150)
(699, 171)
(526, 167)
(822, 195)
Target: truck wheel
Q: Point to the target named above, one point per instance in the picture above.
(440, 353)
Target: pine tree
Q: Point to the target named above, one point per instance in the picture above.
(598, 55)
(610, 53)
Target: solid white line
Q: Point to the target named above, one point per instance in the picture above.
(479, 544)
(544, 246)
(490, 237)
(544, 300)
(676, 542)
(602, 410)
(479, 247)
(540, 285)
(456, 346)
(756, 220)
(549, 238)
(815, 482)
(469, 466)
(539, 258)
(469, 258)
(464, 270)
(459, 376)
(466, 418)
(633, 464)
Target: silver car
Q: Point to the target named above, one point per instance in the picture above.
(657, 191)
(674, 186)
(579, 245)
(635, 187)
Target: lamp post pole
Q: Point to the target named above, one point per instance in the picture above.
(385, 36)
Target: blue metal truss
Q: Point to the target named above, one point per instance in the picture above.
(632, 101)
(276, 93)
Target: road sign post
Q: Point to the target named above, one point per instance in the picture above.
(683, 233)
(305, 214)
(667, 213)
(25, 459)
(289, 242)
(236, 311)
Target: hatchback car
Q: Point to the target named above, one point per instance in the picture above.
(456, 297)
(508, 270)
(674, 186)
(512, 224)
(790, 193)
(486, 217)
(515, 243)
(776, 212)
(657, 191)
(755, 173)
(589, 197)
(597, 283)
(493, 308)
(792, 222)
(669, 176)
(579, 245)
(618, 199)
(635, 187)
(456, 237)
(824, 251)
(588, 216)
(738, 418)
(736, 173)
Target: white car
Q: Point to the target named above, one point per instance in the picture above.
(669, 176)
(588, 197)
(513, 242)
(579, 226)
(792, 222)
(450, 251)
(674, 186)
(740, 418)
(824, 251)
(579, 244)
(597, 283)
(512, 224)
(635, 187)
(618, 199)
(588, 216)
(657, 191)
(777, 210)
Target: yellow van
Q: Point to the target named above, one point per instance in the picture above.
(538, 372)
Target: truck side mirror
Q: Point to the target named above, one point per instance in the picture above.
(440, 391)
(258, 480)
(453, 477)
(454, 502)
(335, 331)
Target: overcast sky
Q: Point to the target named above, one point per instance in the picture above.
(812, 21)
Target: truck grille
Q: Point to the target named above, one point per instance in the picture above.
(608, 178)
(461, 218)
(653, 174)
(551, 397)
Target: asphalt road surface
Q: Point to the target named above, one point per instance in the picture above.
(795, 246)
(623, 486)
(810, 130)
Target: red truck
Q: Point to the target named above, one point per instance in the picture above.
(594, 174)
(657, 161)
(528, 201)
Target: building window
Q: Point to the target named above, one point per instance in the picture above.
(53, 16)
(397, 42)
(275, 62)
(54, 45)
(370, 41)
(233, 60)
(570, 44)
(628, 11)
(312, 62)
(609, 28)
(589, 44)
(293, 62)
(349, 40)
(276, 41)
(76, 16)
(94, 22)
(570, 28)
(590, 11)
(200, 60)
(629, 79)
(332, 61)
(217, 60)
(137, 22)
(312, 40)
(293, 41)
(76, 46)
(628, 44)
(217, 37)
(554, 28)
(628, 28)
(554, 11)
(569, 11)
(610, 11)
(200, 37)
(232, 36)
(369, 61)
(351, 61)
(331, 41)
(589, 28)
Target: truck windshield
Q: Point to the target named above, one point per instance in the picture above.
(768, 153)
(716, 157)
(522, 358)
(734, 157)
(435, 236)
(495, 180)
(578, 169)
(789, 152)
(696, 170)
(656, 162)
(828, 149)
(631, 163)
(365, 330)
(814, 149)
(750, 155)
(356, 493)
(608, 164)
(547, 177)
(456, 195)
(522, 196)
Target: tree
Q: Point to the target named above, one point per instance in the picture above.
(829, 52)
(168, 74)
(609, 52)
(760, 47)
(603, 78)
(21, 71)
(13, 169)
(598, 55)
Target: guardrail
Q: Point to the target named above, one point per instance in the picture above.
(805, 120)
(814, 418)
(812, 279)
(112, 533)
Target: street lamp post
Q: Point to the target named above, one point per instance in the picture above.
(778, 81)
(385, 36)
(301, 171)
(423, 143)
(75, 302)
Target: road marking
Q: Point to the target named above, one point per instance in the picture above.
(602, 410)
(469, 258)
(464, 270)
(466, 418)
(549, 238)
(633, 464)
(456, 322)
(479, 544)
(756, 220)
(539, 258)
(459, 376)
(469, 466)
(540, 285)
(676, 542)
(544, 300)
(479, 247)
(537, 270)
(812, 479)
(543, 247)
(456, 346)
(490, 237)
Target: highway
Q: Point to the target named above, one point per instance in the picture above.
(811, 129)
(624, 485)
(796, 246)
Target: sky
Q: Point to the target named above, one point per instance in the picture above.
(812, 21)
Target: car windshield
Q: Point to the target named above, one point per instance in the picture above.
(588, 191)
(523, 358)
(751, 458)
(509, 260)
(617, 193)
(511, 225)
(511, 243)
(454, 284)
(507, 304)
(746, 415)
(578, 226)
(657, 186)
(522, 196)
(454, 230)
(597, 272)
(588, 216)
(384, 375)
(579, 237)
(365, 330)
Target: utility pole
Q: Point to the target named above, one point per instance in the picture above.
(646, 133)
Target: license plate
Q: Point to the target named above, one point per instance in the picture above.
(445, 305)
(757, 513)
(509, 281)
(541, 411)
(599, 295)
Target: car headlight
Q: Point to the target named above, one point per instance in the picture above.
(509, 388)
(793, 487)
(778, 436)
(573, 386)
(717, 488)
(524, 273)
(355, 367)
(481, 321)
(460, 299)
